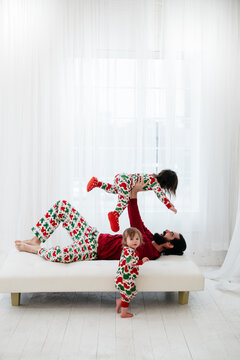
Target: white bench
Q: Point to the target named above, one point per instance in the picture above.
(24, 272)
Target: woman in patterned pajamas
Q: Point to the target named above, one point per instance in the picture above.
(123, 184)
(128, 270)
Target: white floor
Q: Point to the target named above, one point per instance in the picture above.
(85, 326)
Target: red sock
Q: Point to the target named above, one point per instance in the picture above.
(113, 219)
(93, 182)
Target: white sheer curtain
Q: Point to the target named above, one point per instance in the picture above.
(229, 273)
(103, 86)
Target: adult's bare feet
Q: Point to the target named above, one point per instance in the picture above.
(22, 246)
(34, 241)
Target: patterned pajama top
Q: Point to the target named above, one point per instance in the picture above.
(128, 270)
(150, 183)
(123, 184)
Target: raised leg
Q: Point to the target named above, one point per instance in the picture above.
(123, 186)
(15, 298)
(62, 212)
(109, 188)
(183, 297)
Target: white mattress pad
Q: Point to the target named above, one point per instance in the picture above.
(24, 272)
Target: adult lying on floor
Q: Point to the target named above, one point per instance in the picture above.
(89, 243)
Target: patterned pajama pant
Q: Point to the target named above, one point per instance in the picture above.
(126, 294)
(84, 236)
(123, 184)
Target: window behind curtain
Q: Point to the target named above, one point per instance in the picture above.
(149, 104)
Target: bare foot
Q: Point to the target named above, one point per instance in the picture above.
(22, 246)
(127, 315)
(34, 241)
(118, 305)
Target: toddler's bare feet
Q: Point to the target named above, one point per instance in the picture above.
(127, 315)
(22, 246)
(118, 305)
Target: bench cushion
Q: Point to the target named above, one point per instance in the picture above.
(24, 272)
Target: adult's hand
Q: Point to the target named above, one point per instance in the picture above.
(162, 247)
(137, 187)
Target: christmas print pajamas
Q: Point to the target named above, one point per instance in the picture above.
(123, 184)
(84, 236)
(128, 270)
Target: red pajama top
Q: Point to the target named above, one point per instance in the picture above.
(110, 246)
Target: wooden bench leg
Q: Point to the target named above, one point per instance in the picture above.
(183, 297)
(15, 297)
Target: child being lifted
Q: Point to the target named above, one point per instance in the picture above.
(166, 180)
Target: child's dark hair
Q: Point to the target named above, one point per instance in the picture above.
(131, 232)
(168, 180)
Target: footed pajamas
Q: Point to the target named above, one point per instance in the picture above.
(84, 236)
(126, 274)
(124, 183)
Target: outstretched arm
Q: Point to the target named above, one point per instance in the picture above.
(131, 260)
(138, 187)
(161, 196)
(135, 221)
(139, 262)
(133, 211)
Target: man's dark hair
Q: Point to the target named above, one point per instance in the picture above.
(179, 244)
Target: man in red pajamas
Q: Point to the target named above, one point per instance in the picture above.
(88, 243)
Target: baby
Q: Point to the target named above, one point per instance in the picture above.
(128, 270)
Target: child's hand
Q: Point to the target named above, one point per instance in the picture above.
(145, 259)
(173, 209)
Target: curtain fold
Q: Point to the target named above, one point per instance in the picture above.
(98, 87)
(229, 273)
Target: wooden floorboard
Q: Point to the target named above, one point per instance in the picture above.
(85, 326)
